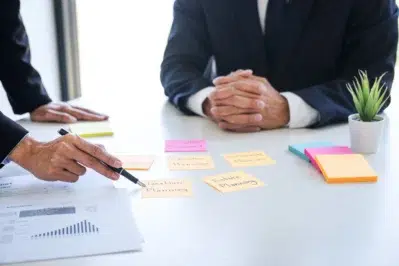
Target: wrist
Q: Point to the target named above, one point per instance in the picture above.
(285, 112)
(206, 107)
(23, 152)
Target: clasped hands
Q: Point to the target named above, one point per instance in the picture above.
(243, 102)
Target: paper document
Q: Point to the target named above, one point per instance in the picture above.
(64, 220)
(30, 186)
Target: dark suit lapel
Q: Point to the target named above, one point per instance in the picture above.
(247, 20)
(295, 17)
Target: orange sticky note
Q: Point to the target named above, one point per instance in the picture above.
(345, 168)
(233, 181)
(170, 188)
(136, 162)
(190, 162)
(246, 159)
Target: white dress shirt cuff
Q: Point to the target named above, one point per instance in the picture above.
(301, 113)
(195, 101)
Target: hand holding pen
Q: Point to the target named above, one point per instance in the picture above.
(99, 160)
(63, 159)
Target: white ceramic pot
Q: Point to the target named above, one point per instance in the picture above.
(365, 136)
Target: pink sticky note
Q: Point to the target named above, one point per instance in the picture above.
(194, 145)
(311, 153)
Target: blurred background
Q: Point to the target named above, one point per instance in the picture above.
(101, 49)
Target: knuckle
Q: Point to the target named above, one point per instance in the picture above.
(91, 162)
(61, 147)
(53, 160)
(97, 151)
(110, 160)
(212, 95)
(216, 110)
(70, 138)
(52, 171)
(253, 104)
(261, 87)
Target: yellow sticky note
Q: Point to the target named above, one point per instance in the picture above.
(136, 162)
(167, 188)
(345, 168)
(91, 129)
(233, 181)
(190, 162)
(245, 159)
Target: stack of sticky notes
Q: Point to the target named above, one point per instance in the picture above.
(91, 129)
(345, 168)
(311, 153)
(299, 149)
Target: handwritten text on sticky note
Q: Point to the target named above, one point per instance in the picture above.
(167, 188)
(185, 145)
(136, 162)
(233, 181)
(255, 158)
(190, 162)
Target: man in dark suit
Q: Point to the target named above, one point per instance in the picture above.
(281, 63)
(63, 158)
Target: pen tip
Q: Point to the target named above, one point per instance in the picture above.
(141, 184)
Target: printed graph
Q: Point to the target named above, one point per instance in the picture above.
(78, 229)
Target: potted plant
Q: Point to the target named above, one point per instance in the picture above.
(366, 125)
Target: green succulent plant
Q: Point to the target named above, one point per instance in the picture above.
(368, 100)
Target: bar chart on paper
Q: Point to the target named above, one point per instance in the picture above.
(78, 229)
(53, 226)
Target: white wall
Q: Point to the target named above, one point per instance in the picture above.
(38, 17)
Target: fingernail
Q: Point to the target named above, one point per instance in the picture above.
(115, 176)
(258, 117)
(260, 104)
(118, 163)
(213, 110)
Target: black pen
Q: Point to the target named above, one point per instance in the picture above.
(120, 171)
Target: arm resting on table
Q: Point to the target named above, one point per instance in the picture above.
(21, 81)
(186, 56)
(370, 45)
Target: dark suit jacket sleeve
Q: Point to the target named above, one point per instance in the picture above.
(21, 81)
(11, 134)
(187, 54)
(370, 44)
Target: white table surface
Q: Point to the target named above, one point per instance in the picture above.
(297, 219)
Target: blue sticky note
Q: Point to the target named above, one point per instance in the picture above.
(299, 149)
